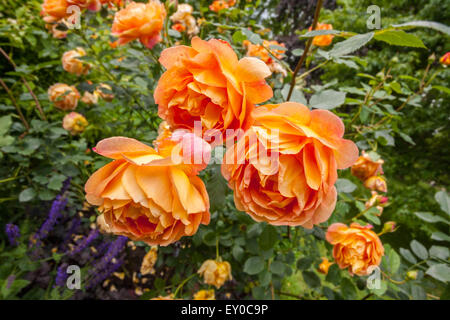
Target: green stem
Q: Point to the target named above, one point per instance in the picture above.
(182, 284)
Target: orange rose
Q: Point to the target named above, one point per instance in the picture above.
(218, 5)
(325, 265)
(103, 91)
(56, 33)
(117, 3)
(215, 273)
(207, 83)
(255, 50)
(54, 10)
(143, 21)
(89, 98)
(75, 123)
(179, 27)
(283, 170)
(146, 196)
(356, 248)
(325, 40)
(445, 59)
(72, 65)
(365, 167)
(64, 97)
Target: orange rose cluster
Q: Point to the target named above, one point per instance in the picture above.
(369, 172)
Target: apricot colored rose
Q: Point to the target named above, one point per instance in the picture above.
(75, 123)
(356, 247)
(259, 51)
(365, 167)
(284, 168)
(325, 265)
(376, 183)
(183, 19)
(73, 65)
(205, 295)
(218, 5)
(54, 10)
(104, 91)
(445, 59)
(64, 97)
(144, 195)
(143, 21)
(325, 40)
(215, 273)
(207, 83)
(56, 33)
(89, 98)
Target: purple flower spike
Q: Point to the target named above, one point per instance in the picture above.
(13, 232)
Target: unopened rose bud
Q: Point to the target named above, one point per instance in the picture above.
(376, 183)
(389, 226)
(412, 275)
(431, 58)
(383, 200)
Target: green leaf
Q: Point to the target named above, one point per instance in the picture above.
(297, 95)
(238, 37)
(419, 250)
(277, 267)
(254, 265)
(251, 36)
(304, 263)
(382, 290)
(439, 252)
(444, 201)
(418, 293)
(27, 195)
(408, 255)
(315, 33)
(311, 279)
(345, 185)
(441, 88)
(394, 261)
(5, 124)
(327, 99)
(350, 45)
(440, 272)
(238, 253)
(264, 278)
(217, 188)
(268, 237)
(426, 24)
(429, 217)
(370, 215)
(439, 236)
(407, 138)
(348, 289)
(384, 138)
(56, 182)
(334, 275)
(399, 38)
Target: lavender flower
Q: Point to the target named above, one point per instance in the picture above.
(66, 185)
(85, 242)
(104, 274)
(55, 213)
(76, 222)
(61, 275)
(13, 232)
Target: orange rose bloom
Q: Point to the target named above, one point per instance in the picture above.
(143, 21)
(72, 65)
(365, 167)
(325, 40)
(215, 273)
(325, 265)
(64, 97)
(207, 83)
(146, 196)
(56, 33)
(110, 3)
(218, 5)
(75, 123)
(356, 247)
(445, 59)
(179, 27)
(294, 183)
(54, 10)
(255, 50)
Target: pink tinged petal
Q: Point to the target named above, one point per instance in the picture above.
(312, 172)
(250, 69)
(116, 147)
(171, 56)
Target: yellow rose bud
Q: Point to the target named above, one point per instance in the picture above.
(149, 261)
(376, 183)
(325, 265)
(412, 275)
(205, 295)
(75, 123)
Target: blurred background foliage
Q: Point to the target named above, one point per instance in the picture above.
(266, 262)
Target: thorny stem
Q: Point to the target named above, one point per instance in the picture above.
(14, 102)
(38, 105)
(305, 52)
